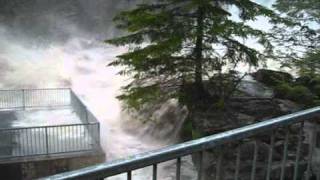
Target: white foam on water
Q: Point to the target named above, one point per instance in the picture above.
(82, 64)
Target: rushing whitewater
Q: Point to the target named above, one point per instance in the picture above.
(47, 44)
(81, 63)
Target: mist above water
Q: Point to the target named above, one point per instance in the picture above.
(49, 43)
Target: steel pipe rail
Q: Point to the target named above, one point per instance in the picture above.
(191, 147)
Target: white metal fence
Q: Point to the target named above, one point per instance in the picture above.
(44, 140)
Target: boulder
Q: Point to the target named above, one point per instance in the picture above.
(272, 78)
(287, 106)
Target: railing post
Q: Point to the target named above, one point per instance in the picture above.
(87, 116)
(98, 135)
(47, 141)
(23, 99)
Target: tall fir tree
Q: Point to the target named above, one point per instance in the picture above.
(178, 46)
(303, 39)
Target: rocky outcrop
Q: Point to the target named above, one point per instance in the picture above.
(241, 112)
(272, 78)
(253, 88)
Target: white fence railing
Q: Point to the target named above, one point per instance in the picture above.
(45, 140)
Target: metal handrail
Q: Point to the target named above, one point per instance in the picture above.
(49, 126)
(35, 89)
(177, 151)
(26, 98)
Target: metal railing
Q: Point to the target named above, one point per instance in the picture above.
(45, 140)
(81, 109)
(290, 130)
(34, 98)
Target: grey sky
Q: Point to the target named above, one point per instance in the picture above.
(267, 3)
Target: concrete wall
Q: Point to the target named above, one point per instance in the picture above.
(40, 167)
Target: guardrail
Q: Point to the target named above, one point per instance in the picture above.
(34, 98)
(45, 140)
(81, 109)
(227, 145)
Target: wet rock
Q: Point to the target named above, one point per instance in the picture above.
(287, 106)
(243, 111)
(272, 78)
(260, 108)
(255, 89)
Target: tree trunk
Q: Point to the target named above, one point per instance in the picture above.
(198, 50)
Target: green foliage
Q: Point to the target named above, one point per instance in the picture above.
(298, 93)
(304, 37)
(306, 10)
(301, 94)
(136, 96)
(186, 131)
(282, 90)
(309, 65)
(316, 89)
(179, 42)
(196, 134)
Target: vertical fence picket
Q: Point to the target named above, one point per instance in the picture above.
(237, 166)
(129, 175)
(154, 172)
(297, 160)
(219, 163)
(178, 169)
(310, 154)
(200, 165)
(270, 156)
(254, 161)
(285, 154)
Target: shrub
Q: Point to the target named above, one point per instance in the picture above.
(316, 89)
(282, 90)
(301, 94)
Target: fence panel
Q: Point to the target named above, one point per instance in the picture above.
(46, 97)
(29, 141)
(11, 99)
(34, 98)
(48, 140)
(79, 108)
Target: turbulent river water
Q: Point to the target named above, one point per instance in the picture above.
(49, 44)
(81, 63)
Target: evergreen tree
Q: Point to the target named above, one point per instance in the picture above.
(301, 10)
(302, 39)
(178, 46)
(309, 65)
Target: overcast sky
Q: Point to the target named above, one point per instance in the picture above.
(266, 2)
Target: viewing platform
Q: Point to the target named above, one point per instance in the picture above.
(46, 124)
